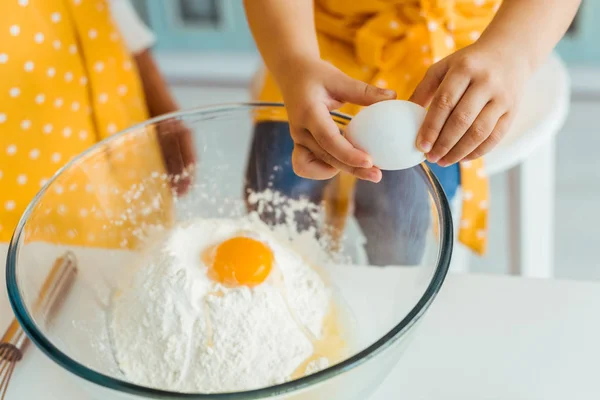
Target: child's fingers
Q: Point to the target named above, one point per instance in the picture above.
(177, 147)
(327, 134)
(460, 120)
(497, 134)
(187, 146)
(307, 141)
(171, 150)
(478, 133)
(307, 165)
(426, 89)
(353, 91)
(188, 156)
(446, 98)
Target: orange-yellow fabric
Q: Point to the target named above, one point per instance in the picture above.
(68, 82)
(391, 44)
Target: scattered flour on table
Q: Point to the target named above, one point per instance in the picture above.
(174, 328)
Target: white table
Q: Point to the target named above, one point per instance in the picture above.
(485, 338)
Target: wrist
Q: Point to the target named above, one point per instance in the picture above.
(515, 53)
(161, 106)
(290, 65)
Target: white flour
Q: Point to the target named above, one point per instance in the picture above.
(175, 329)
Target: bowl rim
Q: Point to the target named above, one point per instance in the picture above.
(45, 345)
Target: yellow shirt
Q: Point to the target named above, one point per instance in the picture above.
(392, 43)
(68, 82)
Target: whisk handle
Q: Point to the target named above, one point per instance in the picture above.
(15, 335)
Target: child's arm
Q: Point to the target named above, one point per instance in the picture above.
(158, 95)
(285, 34)
(175, 138)
(474, 93)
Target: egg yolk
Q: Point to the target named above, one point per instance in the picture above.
(241, 261)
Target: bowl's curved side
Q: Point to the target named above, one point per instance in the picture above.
(37, 337)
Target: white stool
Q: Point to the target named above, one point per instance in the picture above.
(527, 154)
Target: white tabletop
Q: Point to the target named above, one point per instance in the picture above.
(485, 338)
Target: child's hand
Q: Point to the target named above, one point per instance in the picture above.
(177, 148)
(310, 90)
(472, 97)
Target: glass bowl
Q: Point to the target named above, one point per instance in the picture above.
(390, 243)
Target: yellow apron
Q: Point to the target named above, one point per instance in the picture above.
(68, 82)
(391, 44)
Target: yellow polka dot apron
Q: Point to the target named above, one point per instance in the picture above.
(68, 82)
(391, 44)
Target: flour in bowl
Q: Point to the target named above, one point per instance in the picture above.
(222, 305)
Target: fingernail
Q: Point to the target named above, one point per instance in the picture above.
(443, 163)
(425, 147)
(432, 158)
(374, 176)
(389, 93)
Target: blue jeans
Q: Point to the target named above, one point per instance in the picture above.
(394, 214)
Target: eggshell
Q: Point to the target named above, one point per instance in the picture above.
(387, 132)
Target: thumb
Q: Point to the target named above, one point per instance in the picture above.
(426, 89)
(358, 92)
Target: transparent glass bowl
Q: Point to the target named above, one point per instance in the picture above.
(101, 203)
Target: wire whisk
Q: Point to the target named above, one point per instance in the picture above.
(52, 292)
(9, 356)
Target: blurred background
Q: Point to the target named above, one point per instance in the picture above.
(208, 56)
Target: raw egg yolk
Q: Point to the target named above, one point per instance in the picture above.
(242, 261)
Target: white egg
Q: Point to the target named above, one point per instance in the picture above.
(387, 132)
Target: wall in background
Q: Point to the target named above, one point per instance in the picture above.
(200, 25)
